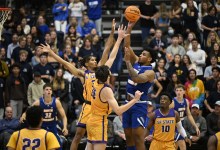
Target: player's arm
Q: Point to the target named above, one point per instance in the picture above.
(121, 35)
(212, 142)
(127, 42)
(148, 75)
(108, 45)
(180, 128)
(23, 116)
(63, 116)
(189, 116)
(107, 95)
(69, 66)
(150, 123)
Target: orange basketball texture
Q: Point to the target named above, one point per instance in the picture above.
(132, 13)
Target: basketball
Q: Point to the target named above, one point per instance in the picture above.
(132, 13)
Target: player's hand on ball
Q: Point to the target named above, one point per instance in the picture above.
(138, 95)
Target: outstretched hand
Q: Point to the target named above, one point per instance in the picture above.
(138, 95)
(122, 32)
(131, 24)
(45, 48)
(113, 25)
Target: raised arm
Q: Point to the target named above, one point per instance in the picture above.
(191, 120)
(127, 43)
(108, 45)
(148, 75)
(63, 116)
(108, 95)
(121, 35)
(69, 66)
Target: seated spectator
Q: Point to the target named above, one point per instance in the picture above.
(45, 69)
(208, 70)
(210, 85)
(215, 51)
(174, 49)
(211, 40)
(4, 58)
(30, 43)
(42, 26)
(188, 63)
(200, 122)
(174, 81)
(4, 72)
(26, 68)
(2, 98)
(119, 132)
(68, 55)
(73, 22)
(7, 126)
(35, 88)
(212, 120)
(25, 27)
(15, 91)
(75, 38)
(36, 58)
(12, 45)
(87, 26)
(87, 49)
(61, 88)
(188, 42)
(213, 97)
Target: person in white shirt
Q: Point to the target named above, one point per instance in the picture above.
(197, 57)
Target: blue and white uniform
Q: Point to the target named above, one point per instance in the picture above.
(181, 109)
(136, 115)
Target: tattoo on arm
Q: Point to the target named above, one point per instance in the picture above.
(131, 70)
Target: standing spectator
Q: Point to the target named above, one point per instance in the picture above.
(174, 49)
(42, 26)
(188, 63)
(13, 45)
(148, 14)
(61, 89)
(22, 46)
(87, 26)
(190, 16)
(76, 10)
(201, 124)
(94, 11)
(45, 69)
(197, 57)
(195, 91)
(211, 40)
(212, 120)
(175, 17)
(210, 23)
(2, 97)
(163, 20)
(35, 88)
(26, 68)
(15, 91)
(7, 126)
(188, 41)
(213, 97)
(119, 132)
(60, 11)
(208, 69)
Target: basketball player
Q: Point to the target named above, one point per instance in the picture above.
(34, 137)
(103, 102)
(88, 77)
(214, 142)
(181, 105)
(51, 106)
(141, 77)
(165, 120)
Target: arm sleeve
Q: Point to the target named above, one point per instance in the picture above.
(180, 129)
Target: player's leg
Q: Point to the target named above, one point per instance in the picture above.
(129, 137)
(89, 146)
(138, 136)
(100, 146)
(80, 132)
(181, 144)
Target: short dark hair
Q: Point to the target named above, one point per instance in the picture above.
(180, 86)
(47, 85)
(102, 73)
(16, 65)
(195, 39)
(175, 35)
(210, 9)
(216, 68)
(34, 115)
(44, 54)
(166, 94)
(85, 60)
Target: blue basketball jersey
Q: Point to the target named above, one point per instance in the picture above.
(180, 107)
(132, 87)
(49, 112)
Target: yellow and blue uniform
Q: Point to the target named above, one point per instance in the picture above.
(98, 122)
(217, 135)
(136, 115)
(39, 139)
(164, 131)
(86, 108)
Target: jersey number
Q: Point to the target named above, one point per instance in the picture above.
(181, 114)
(48, 115)
(28, 142)
(165, 128)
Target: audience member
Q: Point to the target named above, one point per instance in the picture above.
(35, 88)
(13, 45)
(119, 132)
(208, 70)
